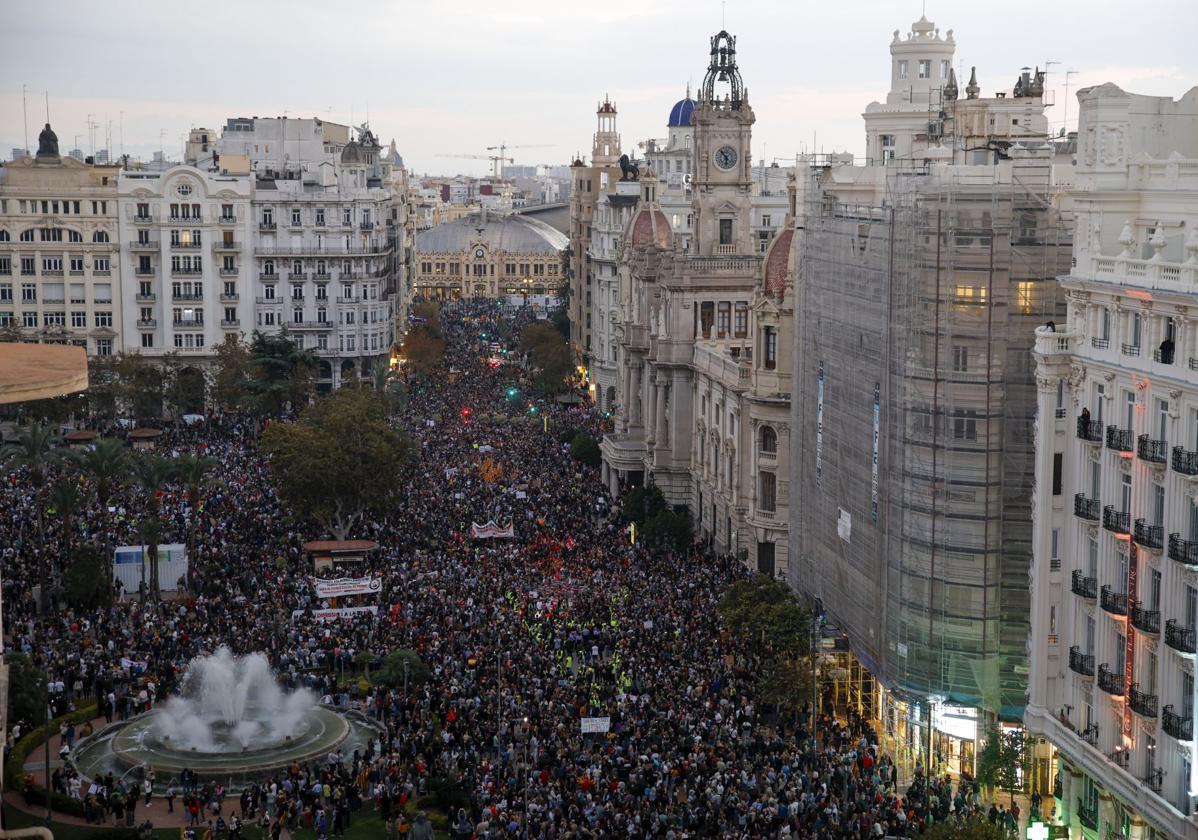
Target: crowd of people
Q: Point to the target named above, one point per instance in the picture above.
(523, 637)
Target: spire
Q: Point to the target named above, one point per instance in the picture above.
(950, 89)
(972, 89)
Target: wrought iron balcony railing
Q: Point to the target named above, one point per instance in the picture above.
(1110, 681)
(1086, 508)
(1119, 439)
(1089, 430)
(1142, 703)
(1081, 663)
(1086, 587)
(1147, 621)
(1181, 728)
(1117, 521)
(1112, 601)
(1183, 551)
(1179, 637)
(1154, 451)
(1184, 461)
(1149, 536)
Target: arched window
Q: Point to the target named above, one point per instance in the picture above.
(100, 236)
(769, 441)
(27, 235)
(3, 236)
(74, 236)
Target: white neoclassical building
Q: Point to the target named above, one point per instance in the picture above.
(1115, 555)
(59, 269)
(185, 239)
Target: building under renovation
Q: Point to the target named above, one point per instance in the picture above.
(920, 283)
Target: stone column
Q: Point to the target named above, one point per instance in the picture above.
(626, 397)
(634, 399)
(659, 422)
(650, 408)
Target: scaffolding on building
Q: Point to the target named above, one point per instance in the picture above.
(915, 316)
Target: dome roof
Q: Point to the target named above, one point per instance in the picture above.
(680, 114)
(649, 226)
(512, 233)
(777, 263)
(352, 153)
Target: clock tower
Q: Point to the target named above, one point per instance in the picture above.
(723, 182)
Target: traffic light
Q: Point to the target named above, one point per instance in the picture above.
(532, 409)
(466, 415)
(511, 393)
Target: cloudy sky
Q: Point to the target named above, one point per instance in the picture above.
(447, 77)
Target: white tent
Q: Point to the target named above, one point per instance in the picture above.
(127, 562)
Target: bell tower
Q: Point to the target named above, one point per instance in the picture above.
(606, 150)
(723, 181)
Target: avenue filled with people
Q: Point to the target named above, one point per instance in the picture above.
(523, 638)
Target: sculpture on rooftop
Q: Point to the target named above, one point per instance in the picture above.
(47, 143)
(628, 169)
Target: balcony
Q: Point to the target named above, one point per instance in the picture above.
(1183, 551)
(268, 277)
(230, 322)
(1185, 462)
(1143, 704)
(1053, 342)
(1149, 536)
(139, 245)
(1081, 663)
(1118, 439)
(1131, 349)
(1090, 734)
(1116, 521)
(267, 227)
(1089, 430)
(221, 245)
(146, 323)
(1146, 621)
(1086, 508)
(297, 276)
(1154, 451)
(1181, 728)
(367, 225)
(322, 277)
(1110, 681)
(1087, 816)
(1086, 587)
(1100, 343)
(144, 272)
(1179, 637)
(186, 272)
(1164, 357)
(229, 272)
(186, 297)
(233, 298)
(143, 220)
(146, 298)
(189, 245)
(1113, 602)
(226, 220)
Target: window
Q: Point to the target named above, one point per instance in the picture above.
(902, 69)
(723, 320)
(268, 292)
(100, 236)
(297, 292)
(103, 346)
(322, 342)
(768, 441)
(54, 319)
(226, 212)
(297, 315)
(741, 322)
(5, 292)
(77, 264)
(944, 66)
(769, 490)
(268, 216)
(770, 347)
(925, 68)
(725, 231)
(960, 359)
(28, 266)
(347, 216)
(28, 293)
(322, 292)
(295, 218)
(965, 425)
(147, 339)
(29, 319)
(102, 265)
(1057, 470)
(78, 319)
(886, 142)
(320, 217)
(5, 265)
(971, 294)
(74, 236)
(103, 319)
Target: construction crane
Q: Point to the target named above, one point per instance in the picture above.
(497, 161)
(503, 147)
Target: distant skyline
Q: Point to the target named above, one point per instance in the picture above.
(454, 78)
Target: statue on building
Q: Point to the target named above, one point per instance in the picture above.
(47, 143)
(628, 169)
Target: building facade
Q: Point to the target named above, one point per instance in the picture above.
(488, 255)
(702, 395)
(185, 236)
(326, 229)
(60, 274)
(1115, 551)
(921, 282)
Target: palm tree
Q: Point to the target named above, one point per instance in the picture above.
(106, 463)
(152, 473)
(33, 450)
(193, 472)
(149, 532)
(67, 501)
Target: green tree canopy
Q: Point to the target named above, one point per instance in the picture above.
(777, 629)
(339, 461)
(1004, 760)
(26, 691)
(139, 387)
(550, 355)
(422, 349)
(391, 672)
(280, 374)
(232, 373)
(87, 584)
(668, 530)
(585, 449)
(641, 503)
(972, 828)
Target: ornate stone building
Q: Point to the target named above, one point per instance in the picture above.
(702, 400)
(59, 269)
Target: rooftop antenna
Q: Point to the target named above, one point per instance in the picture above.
(723, 13)
(122, 134)
(47, 107)
(1065, 121)
(25, 115)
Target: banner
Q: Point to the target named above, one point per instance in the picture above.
(877, 424)
(819, 426)
(347, 586)
(491, 531)
(333, 615)
(596, 724)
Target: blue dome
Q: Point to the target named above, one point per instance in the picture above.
(680, 114)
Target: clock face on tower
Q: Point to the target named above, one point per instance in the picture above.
(725, 157)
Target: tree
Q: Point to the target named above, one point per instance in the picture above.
(27, 699)
(149, 532)
(33, 450)
(152, 473)
(139, 387)
(106, 464)
(66, 501)
(549, 354)
(429, 314)
(87, 584)
(970, 828)
(281, 374)
(777, 629)
(185, 387)
(423, 349)
(232, 373)
(391, 672)
(194, 472)
(585, 449)
(668, 531)
(1004, 760)
(102, 388)
(641, 503)
(339, 461)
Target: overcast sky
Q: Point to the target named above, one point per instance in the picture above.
(455, 77)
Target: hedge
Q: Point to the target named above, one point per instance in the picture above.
(14, 770)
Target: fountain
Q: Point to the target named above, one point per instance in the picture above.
(232, 720)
